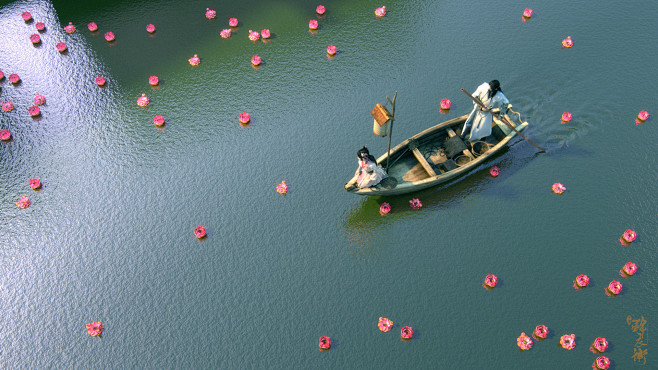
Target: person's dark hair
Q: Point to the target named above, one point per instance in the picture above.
(363, 153)
(495, 87)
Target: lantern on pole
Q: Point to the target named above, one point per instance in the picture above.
(382, 120)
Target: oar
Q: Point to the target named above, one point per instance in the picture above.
(502, 118)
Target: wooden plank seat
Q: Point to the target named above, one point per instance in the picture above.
(421, 159)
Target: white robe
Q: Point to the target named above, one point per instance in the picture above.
(479, 122)
(368, 174)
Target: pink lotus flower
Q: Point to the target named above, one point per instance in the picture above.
(581, 281)
(35, 184)
(158, 121)
(2, 75)
(210, 14)
(445, 104)
(143, 101)
(26, 16)
(527, 13)
(599, 345)
(490, 281)
(384, 209)
(524, 342)
(100, 81)
(14, 78)
(384, 324)
(109, 36)
(225, 33)
(95, 329)
(331, 50)
(23, 202)
(282, 188)
(233, 22)
(407, 332)
(566, 117)
(558, 188)
(5, 135)
(61, 47)
(33, 110)
(255, 60)
(253, 35)
(629, 269)
(541, 331)
(35, 38)
(93, 27)
(154, 80)
(70, 28)
(568, 341)
(200, 232)
(494, 171)
(643, 115)
(244, 118)
(39, 99)
(313, 24)
(194, 61)
(320, 9)
(150, 28)
(602, 363)
(567, 43)
(40, 26)
(628, 236)
(325, 343)
(265, 34)
(8, 106)
(614, 287)
(381, 11)
(415, 203)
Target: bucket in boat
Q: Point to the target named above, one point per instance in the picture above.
(462, 160)
(480, 147)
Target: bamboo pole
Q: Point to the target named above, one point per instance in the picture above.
(390, 132)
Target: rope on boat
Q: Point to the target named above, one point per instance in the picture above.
(517, 113)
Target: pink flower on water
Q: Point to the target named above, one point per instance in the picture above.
(93, 27)
(2, 75)
(200, 232)
(541, 331)
(39, 99)
(407, 332)
(558, 188)
(629, 269)
(527, 13)
(445, 104)
(95, 329)
(150, 28)
(33, 110)
(566, 117)
(380, 12)
(23, 202)
(35, 38)
(8, 106)
(255, 60)
(109, 36)
(253, 35)
(40, 26)
(158, 120)
(325, 343)
(5, 135)
(614, 287)
(194, 61)
(490, 281)
(143, 101)
(154, 80)
(61, 47)
(14, 78)
(602, 363)
(600, 345)
(415, 203)
(567, 43)
(494, 171)
(26, 16)
(628, 236)
(320, 9)
(265, 33)
(233, 22)
(244, 118)
(282, 188)
(100, 81)
(568, 341)
(225, 33)
(331, 50)
(384, 324)
(313, 24)
(524, 342)
(581, 281)
(35, 184)
(384, 209)
(210, 14)
(643, 115)
(70, 28)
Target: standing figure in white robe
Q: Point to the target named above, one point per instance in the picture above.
(369, 173)
(478, 124)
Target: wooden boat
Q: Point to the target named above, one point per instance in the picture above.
(434, 156)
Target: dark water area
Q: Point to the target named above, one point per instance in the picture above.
(109, 237)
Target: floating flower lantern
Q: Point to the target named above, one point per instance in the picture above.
(210, 14)
(265, 34)
(150, 28)
(95, 329)
(253, 35)
(8, 106)
(628, 270)
(35, 184)
(494, 171)
(40, 26)
(628, 236)
(581, 281)
(233, 22)
(566, 117)
(524, 342)
(154, 80)
(643, 116)
(381, 11)
(225, 33)
(325, 343)
(415, 203)
(194, 61)
(2, 75)
(100, 81)
(143, 101)
(541, 332)
(568, 341)
(567, 43)
(614, 287)
(331, 50)
(527, 13)
(384, 209)
(93, 27)
(320, 9)
(14, 78)
(445, 104)
(158, 121)
(244, 118)
(39, 99)
(255, 60)
(601, 363)
(200, 232)
(34, 111)
(70, 28)
(406, 333)
(5, 135)
(384, 324)
(61, 47)
(26, 16)
(282, 188)
(313, 24)
(558, 188)
(599, 345)
(35, 38)
(23, 202)
(490, 281)
(109, 36)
